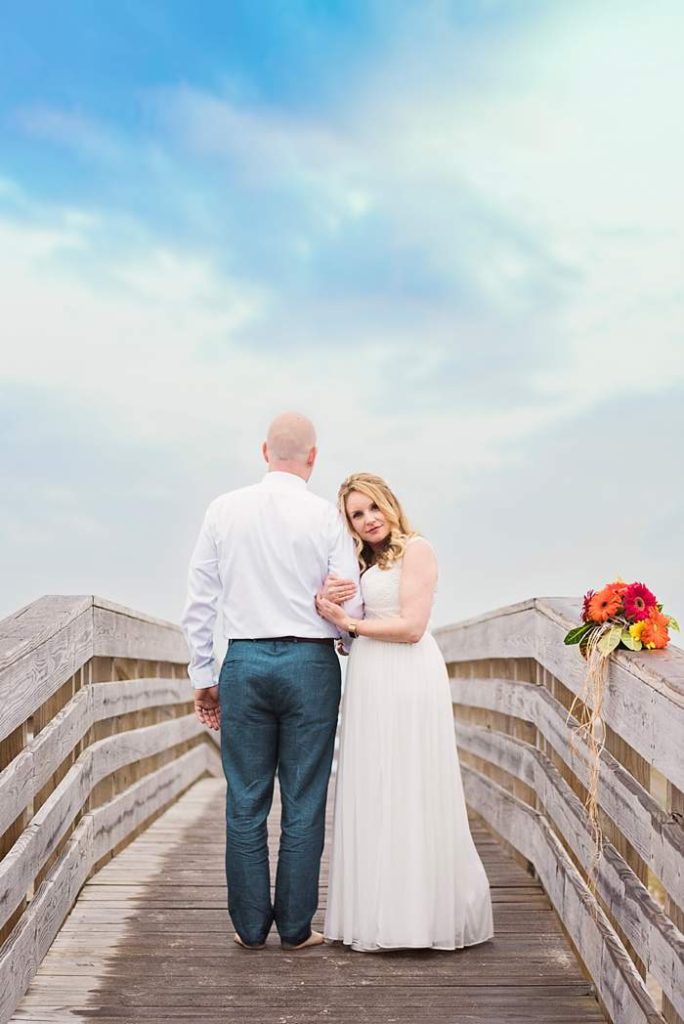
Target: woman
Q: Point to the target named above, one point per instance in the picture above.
(405, 872)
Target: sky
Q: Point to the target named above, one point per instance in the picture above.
(449, 232)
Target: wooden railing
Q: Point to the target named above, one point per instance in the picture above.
(513, 682)
(97, 738)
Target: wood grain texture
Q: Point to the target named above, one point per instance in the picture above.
(631, 906)
(619, 984)
(79, 733)
(27, 629)
(44, 644)
(645, 693)
(32, 768)
(33, 673)
(52, 820)
(150, 940)
(120, 632)
(657, 835)
(95, 834)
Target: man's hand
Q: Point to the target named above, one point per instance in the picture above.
(207, 707)
(337, 590)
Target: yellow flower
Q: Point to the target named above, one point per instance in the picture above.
(637, 629)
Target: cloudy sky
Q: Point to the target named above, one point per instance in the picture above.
(450, 232)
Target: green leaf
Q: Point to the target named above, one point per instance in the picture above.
(659, 607)
(576, 634)
(630, 642)
(610, 640)
(674, 624)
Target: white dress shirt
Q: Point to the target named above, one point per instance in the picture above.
(263, 552)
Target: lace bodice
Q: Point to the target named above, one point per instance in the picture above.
(380, 590)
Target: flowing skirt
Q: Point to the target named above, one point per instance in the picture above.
(404, 870)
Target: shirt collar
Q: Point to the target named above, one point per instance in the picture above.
(278, 480)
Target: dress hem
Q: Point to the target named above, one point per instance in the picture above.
(379, 947)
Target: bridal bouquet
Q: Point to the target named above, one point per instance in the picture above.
(619, 615)
(622, 615)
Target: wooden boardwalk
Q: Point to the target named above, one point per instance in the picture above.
(149, 941)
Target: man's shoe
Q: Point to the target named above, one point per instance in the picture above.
(244, 945)
(315, 939)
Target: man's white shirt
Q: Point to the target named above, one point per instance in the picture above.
(263, 552)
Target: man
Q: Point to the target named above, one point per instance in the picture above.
(263, 553)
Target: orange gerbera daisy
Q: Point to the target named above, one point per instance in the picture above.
(618, 586)
(604, 604)
(654, 633)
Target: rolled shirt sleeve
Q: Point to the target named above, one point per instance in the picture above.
(199, 614)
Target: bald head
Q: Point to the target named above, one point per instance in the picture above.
(291, 444)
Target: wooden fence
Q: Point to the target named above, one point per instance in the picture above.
(513, 682)
(97, 738)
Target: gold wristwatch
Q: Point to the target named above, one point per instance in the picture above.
(353, 628)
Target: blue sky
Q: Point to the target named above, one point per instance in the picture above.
(450, 232)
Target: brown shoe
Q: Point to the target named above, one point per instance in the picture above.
(244, 945)
(315, 939)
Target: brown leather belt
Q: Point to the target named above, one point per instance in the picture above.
(288, 639)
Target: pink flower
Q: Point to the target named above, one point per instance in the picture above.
(638, 602)
(585, 605)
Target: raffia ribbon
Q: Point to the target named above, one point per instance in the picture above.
(592, 733)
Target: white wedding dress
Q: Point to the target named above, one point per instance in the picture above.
(404, 871)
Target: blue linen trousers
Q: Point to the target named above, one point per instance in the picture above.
(279, 705)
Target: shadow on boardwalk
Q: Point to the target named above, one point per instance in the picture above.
(150, 941)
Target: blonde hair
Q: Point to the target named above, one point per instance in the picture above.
(375, 488)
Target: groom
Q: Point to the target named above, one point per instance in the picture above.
(262, 554)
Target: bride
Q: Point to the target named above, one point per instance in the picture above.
(404, 872)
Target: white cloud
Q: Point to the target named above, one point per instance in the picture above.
(547, 185)
(84, 135)
(133, 333)
(155, 339)
(537, 181)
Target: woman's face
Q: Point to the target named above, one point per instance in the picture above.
(367, 519)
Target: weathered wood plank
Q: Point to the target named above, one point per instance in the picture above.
(96, 833)
(53, 819)
(33, 767)
(30, 940)
(30, 627)
(660, 944)
(46, 643)
(156, 960)
(656, 835)
(661, 670)
(503, 633)
(120, 632)
(120, 698)
(10, 748)
(620, 986)
(644, 702)
(29, 679)
(114, 820)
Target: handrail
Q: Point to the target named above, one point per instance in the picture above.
(513, 683)
(97, 737)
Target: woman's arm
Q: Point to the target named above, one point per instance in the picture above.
(416, 592)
